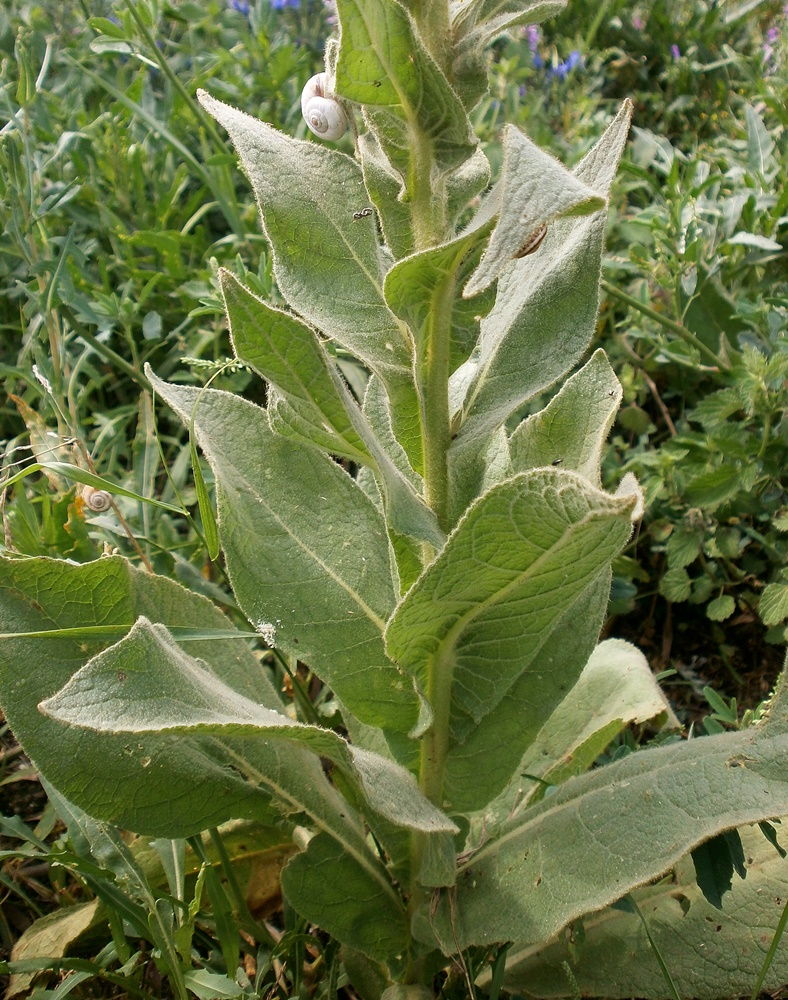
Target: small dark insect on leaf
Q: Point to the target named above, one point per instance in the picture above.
(363, 214)
(533, 242)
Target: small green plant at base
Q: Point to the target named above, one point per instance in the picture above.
(450, 594)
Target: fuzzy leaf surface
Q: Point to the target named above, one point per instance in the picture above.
(542, 321)
(147, 684)
(422, 291)
(312, 403)
(711, 953)
(291, 523)
(602, 834)
(477, 23)
(616, 687)
(571, 430)
(384, 63)
(534, 190)
(480, 765)
(326, 888)
(327, 263)
(171, 786)
(287, 353)
(516, 562)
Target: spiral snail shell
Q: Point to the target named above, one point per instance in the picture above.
(97, 500)
(324, 115)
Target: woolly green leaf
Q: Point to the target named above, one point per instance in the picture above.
(290, 521)
(477, 23)
(311, 402)
(384, 64)
(383, 185)
(285, 352)
(146, 684)
(543, 318)
(570, 431)
(710, 953)
(534, 190)
(616, 687)
(170, 788)
(326, 888)
(423, 291)
(482, 610)
(327, 262)
(600, 835)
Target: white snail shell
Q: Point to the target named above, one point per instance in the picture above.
(97, 500)
(324, 115)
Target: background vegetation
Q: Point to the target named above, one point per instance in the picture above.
(119, 199)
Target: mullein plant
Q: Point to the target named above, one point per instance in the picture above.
(450, 591)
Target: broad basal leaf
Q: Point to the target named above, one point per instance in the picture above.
(542, 321)
(327, 889)
(160, 785)
(327, 260)
(571, 430)
(384, 63)
(145, 689)
(306, 551)
(147, 684)
(600, 835)
(480, 613)
(710, 954)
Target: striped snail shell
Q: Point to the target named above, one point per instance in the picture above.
(324, 115)
(97, 500)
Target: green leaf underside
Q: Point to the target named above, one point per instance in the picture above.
(711, 954)
(615, 686)
(516, 562)
(325, 887)
(311, 402)
(534, 190)
(287, 353)
(571, 430)
(602, 834)
(543, 319)
(290, 519)
(147, 684)
(479, 767)
(170, 787)
(383, 63)
(327, 263)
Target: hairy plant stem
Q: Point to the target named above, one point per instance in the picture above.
(433, 377)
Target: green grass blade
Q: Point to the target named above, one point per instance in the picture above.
(87, 479)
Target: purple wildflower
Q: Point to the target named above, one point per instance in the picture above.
(638, 23)
(242, 6)
(532, 35)
(563, 69)
(675, 51)
(281, 4)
